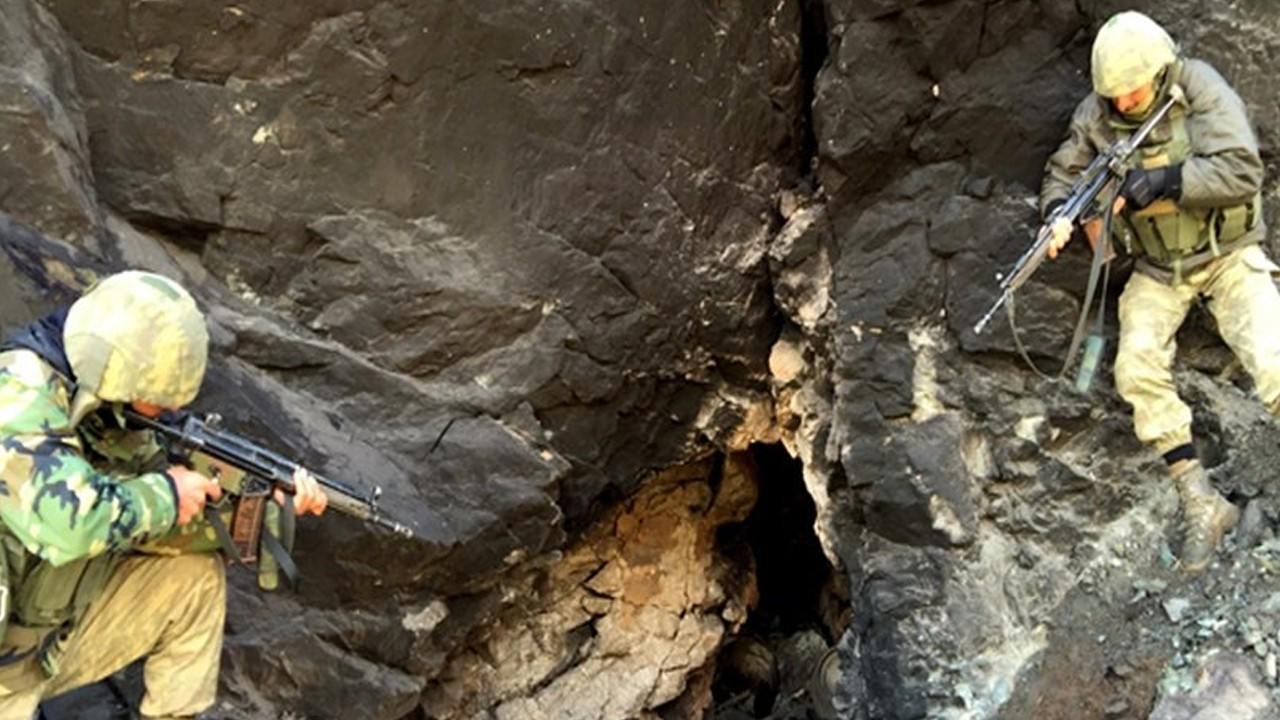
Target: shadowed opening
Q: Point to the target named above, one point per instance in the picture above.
(769, 667)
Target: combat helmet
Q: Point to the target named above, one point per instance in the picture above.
(1130, 50)
(137, 336)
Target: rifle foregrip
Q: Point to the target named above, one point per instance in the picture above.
(364, 510)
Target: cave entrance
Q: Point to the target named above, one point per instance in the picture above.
(769, 668)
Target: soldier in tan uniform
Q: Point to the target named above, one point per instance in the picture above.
(1190, 210)
(81, 494)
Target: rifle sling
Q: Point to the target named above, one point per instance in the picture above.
(1017, 341)
(29, 641)
(1095, 270)
(224, 535)
(1077, 337)
(269, 541)
(286, 565)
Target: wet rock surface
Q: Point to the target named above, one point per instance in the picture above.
(550, 274)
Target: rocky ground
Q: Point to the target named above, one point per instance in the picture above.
(1152, 643)
(1136, 637)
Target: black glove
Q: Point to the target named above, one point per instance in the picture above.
(1052, 207)
(1143, 187)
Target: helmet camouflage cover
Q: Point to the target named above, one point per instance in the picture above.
(137, 336)
(1130, 50)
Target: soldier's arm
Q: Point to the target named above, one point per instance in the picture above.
(1225, 168)
(51, 498)
(1071, 158)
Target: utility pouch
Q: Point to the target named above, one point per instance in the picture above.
(1093, 347)
(17, 643)
(1161, 207)
(53, 594)
(45, 596)
(1233, 222)
(1169, 233)
(47, 603)
(1179, 232)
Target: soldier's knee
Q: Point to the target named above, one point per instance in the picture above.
(202, 574)
(204, 570)
(1126, 375)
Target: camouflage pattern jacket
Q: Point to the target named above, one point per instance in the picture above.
(72, 493)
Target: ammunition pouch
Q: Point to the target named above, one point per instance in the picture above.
(1174, 238)
(1231, 223)
(1167, 233)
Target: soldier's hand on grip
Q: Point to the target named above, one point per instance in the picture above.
(193, 489)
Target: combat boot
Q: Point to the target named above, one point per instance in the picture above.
(1206, 515)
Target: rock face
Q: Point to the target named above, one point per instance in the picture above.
(620, 622)
(552, 274)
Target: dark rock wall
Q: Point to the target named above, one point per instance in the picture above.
(933, 121)
(507, 204)
(45, 152)
(508, 260)
(496, 258)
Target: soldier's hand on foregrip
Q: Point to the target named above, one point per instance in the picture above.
(193, 490)
(308, 496)
(1060, 234)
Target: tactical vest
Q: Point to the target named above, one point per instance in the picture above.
(1170, 236)
(46, 601)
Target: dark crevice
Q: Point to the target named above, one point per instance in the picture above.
(813, 55)
(790, 565)
(416, 714)
(797, 617)
(186, 233)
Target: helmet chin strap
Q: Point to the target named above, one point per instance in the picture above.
(83, 403)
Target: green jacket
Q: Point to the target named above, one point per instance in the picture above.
(52, 498)
(1223, 170)
(76, 493)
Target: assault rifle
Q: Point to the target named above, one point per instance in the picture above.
(189, 434)
(1109, 165)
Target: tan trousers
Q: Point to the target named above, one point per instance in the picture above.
(1243, 299)
(167, 608)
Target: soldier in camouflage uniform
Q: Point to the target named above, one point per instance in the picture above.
(1190, 210)
(80, 495)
